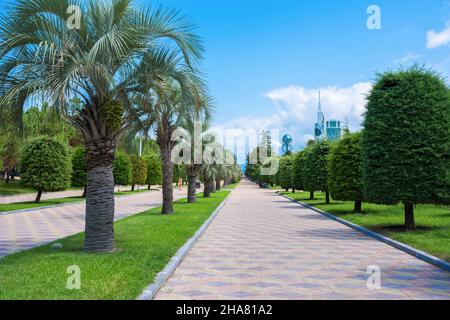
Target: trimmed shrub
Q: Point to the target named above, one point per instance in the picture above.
(345, 170)
(316, 168)
(46, 166)
(406, 141)
(138, 171)
(79, 175)
(154, 170)
(298, 165)
(122, 169)
(285, 172)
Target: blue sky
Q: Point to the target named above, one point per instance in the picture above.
(266, 60)
(257, 46)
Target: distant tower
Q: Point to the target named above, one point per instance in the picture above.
(319, 132)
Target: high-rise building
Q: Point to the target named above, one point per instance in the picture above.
(319, 132)
(330, 130)
(334, 130)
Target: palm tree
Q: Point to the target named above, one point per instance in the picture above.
(175, 92)
(96, 62)
(195, 128)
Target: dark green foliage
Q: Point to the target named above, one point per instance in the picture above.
(154, 170)
(298, 165)
(122, 169)
(345, 170)
(112, 112)
(316, 167)
(285, 172)
(138, 170)
(46, 166)
(406, 142)
(79, 167)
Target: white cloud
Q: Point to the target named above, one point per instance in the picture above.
(438, 39)
(296, 111)
(409, 57)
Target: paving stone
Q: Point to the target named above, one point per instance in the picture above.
(263, 246)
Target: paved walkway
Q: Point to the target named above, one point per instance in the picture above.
(28, 197)
(24, 230)
(262, 246)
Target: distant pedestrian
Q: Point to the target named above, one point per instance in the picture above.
(180, 184)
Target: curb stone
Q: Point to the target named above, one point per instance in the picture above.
(162, 277)
(398, 245)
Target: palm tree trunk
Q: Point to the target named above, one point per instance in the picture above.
(84, 193)
(311, 195)
(218, 185)
(99, 228)
(327, 197)
(212, 186)
(132, 187)
(167, 185)
(192, 191)
(206, 189)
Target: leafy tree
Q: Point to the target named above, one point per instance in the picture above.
(154, 170)
(406, 141)
(79, 169)
(345, 170)
(285, 172)
(122, 169)
(316, 171)
(298, 164)
(138, 171)
(101, 62)
(46, 166)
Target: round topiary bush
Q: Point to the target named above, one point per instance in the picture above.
(406, 141)
(46, 166)
(345, 170)
(79, 175)
(122, 169)
(154, 170)
(316, 168)
(138, 171)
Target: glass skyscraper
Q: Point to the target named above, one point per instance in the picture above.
(331, 132)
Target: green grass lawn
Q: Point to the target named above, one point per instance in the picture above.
(433, 222)
(14, 187)
(44, 203)
(231, 186)
(145, 243)
(51, 202)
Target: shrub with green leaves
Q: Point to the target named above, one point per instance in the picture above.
(406, 141)
(138, 171)
(122, 169)
(345, 170)
(154, 170)
(316, 168)
(298, 165)
(285, 172)
(46, 166)
(79, 167)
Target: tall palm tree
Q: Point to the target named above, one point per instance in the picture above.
(96, 62)
(195, 127)
(175, 92)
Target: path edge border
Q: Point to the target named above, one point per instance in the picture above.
(150, 291)
(396, 244)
